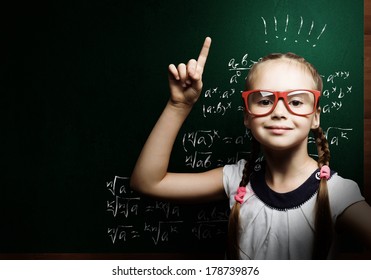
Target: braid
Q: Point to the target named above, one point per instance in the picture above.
(322, 147)
(234, 217)
(250, 163)
(323, 220)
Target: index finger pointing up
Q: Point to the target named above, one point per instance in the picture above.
(203, 54)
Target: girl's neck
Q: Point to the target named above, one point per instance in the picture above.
(286, 171)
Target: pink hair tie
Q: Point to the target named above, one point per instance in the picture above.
(241, 191)
(324, 172)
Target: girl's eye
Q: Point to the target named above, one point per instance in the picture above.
(265, 102)
(296, 103)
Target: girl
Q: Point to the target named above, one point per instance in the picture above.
(284, 208)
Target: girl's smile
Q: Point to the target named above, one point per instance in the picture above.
(278, 129)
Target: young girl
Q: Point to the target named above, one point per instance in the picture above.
(286, 207)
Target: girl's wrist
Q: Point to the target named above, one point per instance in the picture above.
(179, 108)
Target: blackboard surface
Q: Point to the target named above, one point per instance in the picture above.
(84, 82)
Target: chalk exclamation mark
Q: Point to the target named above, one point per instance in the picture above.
(286, 26)
(265, 28)
(275, 26)
(319, 36)
(301, 25)
(310, 31)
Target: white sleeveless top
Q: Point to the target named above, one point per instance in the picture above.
(281, 225)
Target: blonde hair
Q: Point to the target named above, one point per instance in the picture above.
(323, 221)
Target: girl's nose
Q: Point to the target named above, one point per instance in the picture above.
(280, 110)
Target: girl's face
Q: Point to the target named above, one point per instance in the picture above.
(282, 130)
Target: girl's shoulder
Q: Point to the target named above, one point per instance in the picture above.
(343, 192)
(338, 185)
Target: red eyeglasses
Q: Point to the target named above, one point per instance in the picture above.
(300, 102)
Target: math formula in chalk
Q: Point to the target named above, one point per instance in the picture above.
(158, 223)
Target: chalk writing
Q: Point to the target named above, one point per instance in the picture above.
(338, 75)
(239, 68)
(164, 207)
(220, 108)
(199, 138)
(122, 201)
(298, 31)
(160, 232)
(200, 148)
(209, 230)
(122, 205)
(122, 233)
(336, 89)
(210, 223)
(335, 135)
(218, 102)
(209, 93)
(160, 222)
(213, 214)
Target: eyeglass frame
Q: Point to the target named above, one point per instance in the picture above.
(281, 95)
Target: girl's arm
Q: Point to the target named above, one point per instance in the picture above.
(357, 220)
(150, 174)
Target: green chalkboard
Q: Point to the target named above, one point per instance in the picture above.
(84, 83)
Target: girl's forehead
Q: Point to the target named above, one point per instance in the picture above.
(283, 74)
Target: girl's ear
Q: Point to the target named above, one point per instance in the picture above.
(246, 119)
(316, 118)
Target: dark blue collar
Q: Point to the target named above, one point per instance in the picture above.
(283, 201)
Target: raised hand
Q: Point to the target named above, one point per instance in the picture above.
(150, 175)
(186, 80)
